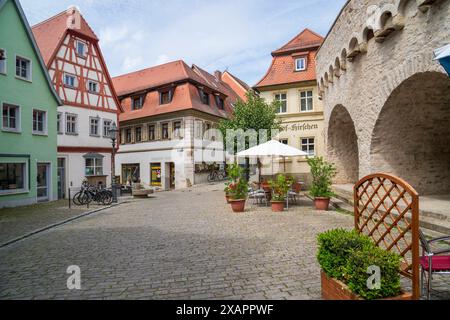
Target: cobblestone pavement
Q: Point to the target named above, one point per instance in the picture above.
(178, 245)
(16, 222)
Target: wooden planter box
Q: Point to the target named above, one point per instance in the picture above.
(333, 289)
(142, 193)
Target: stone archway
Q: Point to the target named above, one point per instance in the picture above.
(342, 146)
(411, 138)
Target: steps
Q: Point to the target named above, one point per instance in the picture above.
(433, 222)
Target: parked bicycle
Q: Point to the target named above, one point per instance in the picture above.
(89, 194)
(217, 175)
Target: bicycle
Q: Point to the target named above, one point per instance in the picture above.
(88, 193)
(216, 175)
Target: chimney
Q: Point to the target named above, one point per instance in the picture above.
(218, 75)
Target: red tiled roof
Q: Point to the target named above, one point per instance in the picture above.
(185, 95)
(50, 33)
(236, 84)
(282, 70)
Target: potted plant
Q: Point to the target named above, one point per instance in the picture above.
(322, 174)
(347, 260)
(237, 188)
(280, 188)
(227, 191)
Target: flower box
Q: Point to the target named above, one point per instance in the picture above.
(333, 289)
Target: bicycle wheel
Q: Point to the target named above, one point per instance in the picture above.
(107, 197)
(212, 177)
(76, 200)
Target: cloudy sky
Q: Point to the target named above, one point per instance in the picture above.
(237, 35)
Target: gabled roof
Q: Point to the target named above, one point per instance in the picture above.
(51, 32)
(282, 70)
(34, 45)
(216, 84)
(304, 40)
(164, 74)
(242, 83)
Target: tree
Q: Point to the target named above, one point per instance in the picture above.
(255, 115)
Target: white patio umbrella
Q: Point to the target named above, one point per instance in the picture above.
(272, 149)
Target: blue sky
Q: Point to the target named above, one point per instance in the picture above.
(214, 34)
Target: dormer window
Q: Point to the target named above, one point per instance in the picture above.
(220, 103)
(137, 103)
(165, 97)
(300, 64)
(81, 49)
(204, 97)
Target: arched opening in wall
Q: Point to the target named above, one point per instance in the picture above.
(331, 76)
(342, 146)
(326, 79)
(408, 8)
(337, 67)
(386, 19)
(353, 45)
(411, 138)
(368, 34)
(343, 59)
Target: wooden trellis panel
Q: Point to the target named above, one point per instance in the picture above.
(387, 210)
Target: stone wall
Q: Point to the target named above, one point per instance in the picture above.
(373, 48)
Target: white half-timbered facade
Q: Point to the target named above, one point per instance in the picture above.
(81, 79)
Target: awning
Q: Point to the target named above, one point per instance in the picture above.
(93, 156)
(443, 56)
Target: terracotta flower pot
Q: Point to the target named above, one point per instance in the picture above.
(238, 205)
(227, 197)
(277, 206)
(322, 204)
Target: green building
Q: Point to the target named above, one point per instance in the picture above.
(28, 133)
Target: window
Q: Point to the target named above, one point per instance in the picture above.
(93, 87)
(308, 146)
(12, 177)
(23, 68)
(59, 124)
(165, 97)
(137, 103)
(11, 118)
(94, 166)
(151, 132)
(306, 101)
(2, 61)
(81, 49)
(220, 103)
(71, 124)
(165, 131)
(207, 133)
(106, 127)
(93, 126)
(282, 98)
(39, 122)
(69, 80)
(300, 64)
(204, 97)
(198, 129)
(177, 129)
(128, 136)
(138, 134)
(284, 141)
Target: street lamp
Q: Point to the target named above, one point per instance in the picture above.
(113, 136)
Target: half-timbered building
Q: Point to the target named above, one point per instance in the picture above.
(79, 73)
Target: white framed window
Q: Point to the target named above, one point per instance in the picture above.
(70, 80)
(23, 68)
(198, 129)
(94, 126)
(306, 101)
(59, 123)
(94, 166)
(39, 122)
(106, 127)
(308, 146)
(300, 64)
(152, 132)
(10, 118)
(71, 124)
(282, 98)
(81, 49)
(13, 177)
(177, 129)
(2, 61)
(93, 86)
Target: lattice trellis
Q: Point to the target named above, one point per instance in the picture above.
(387, 210)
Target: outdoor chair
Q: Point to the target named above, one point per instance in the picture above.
(257, 195)
(433, 261)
